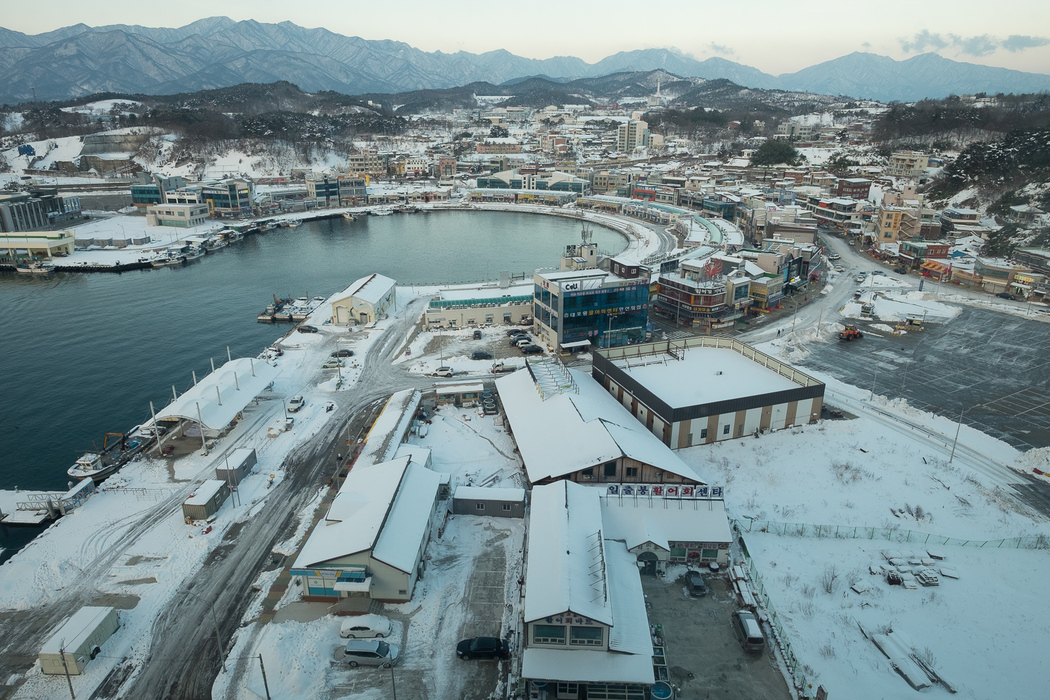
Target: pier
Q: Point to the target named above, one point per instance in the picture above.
(38, 507)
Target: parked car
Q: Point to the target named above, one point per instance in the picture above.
(860, 278)
(295, 403)
(442, 372)
(531, 349)
(480, 355)
(483, 648)
(332, 364)
(1004, 295)
(834, 256)
(694, 583)
(343, 353)
(523, 340)
(748, 631)
(515, 331)
(370, 652)
(307, 329)
(877, 272)
(365, 626)
(477, 335)
(901, 270)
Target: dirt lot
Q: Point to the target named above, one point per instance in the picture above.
(703, 655)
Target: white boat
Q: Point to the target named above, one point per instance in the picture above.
(36, 268)
(193, 252)
(348, 216)
(294, 223)
(91, 466)
(168, 259)
(98, 465)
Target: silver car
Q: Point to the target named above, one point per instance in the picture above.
(370, 652)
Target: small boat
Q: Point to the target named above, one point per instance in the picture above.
(168, 259)
(36, 268)
(98, 465)
(348, 216)
(215, 243)
(294, 223)
(193, 252)
(269, 226)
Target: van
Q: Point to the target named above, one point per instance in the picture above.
(748, 631)
(295, 403)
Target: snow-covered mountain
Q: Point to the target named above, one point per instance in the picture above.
(218, 52)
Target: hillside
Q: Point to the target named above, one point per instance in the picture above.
(218, 52)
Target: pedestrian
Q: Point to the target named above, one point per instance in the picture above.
(778, 332)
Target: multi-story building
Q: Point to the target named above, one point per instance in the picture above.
(907, 164)
(446, 167)
(342, 190)
(151, 189)
(577, 308)
(853, 187)
(232, 197)
(177, 215)
(631, 135)
(838, 213)
(889, 224)
(699, 294)
(499, 145)
(36, 211)
(367, 163)
(959, 220)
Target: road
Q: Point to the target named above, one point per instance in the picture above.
(182, 659)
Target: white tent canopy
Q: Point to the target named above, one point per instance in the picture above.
(217, 399)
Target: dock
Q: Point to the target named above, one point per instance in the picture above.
(38, 507)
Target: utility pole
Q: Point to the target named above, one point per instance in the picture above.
(65, 667)
(266, 686)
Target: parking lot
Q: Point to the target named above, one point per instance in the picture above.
(993, 365)
(704, 658)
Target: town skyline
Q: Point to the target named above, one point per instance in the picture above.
(1008, 38)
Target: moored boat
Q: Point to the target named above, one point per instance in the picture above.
(167, 259)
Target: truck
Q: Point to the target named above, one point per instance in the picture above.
(499, 368)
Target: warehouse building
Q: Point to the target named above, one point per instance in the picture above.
(700, 390)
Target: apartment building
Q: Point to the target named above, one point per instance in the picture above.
(910, 164)
(631, 135)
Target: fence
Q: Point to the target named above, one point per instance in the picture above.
(792, 664)
(889, 534)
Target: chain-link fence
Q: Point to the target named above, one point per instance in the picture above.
(887, 534)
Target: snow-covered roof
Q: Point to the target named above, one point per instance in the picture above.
(576, 429)
(406, 526)
(220, 396)
(637, 520)
(205, 492)
(483, 493)
(75, 631)
(384, 438)
(370, 289)
(703, 375)
(573, 567)
(383, 507)
(566, 567)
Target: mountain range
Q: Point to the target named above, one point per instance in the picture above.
(218, 52)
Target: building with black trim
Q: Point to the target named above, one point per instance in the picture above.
(701, 390)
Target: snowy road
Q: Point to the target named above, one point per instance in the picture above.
(183, 661)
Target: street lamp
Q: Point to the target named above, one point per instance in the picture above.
(794, 313)
(958, 428)
(218, 639)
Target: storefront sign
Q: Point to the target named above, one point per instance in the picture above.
(666, 491)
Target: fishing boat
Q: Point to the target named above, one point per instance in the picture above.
(294, 223)
(167, 259)
(193, 252)
(98, 465)
(348, 216)
(36, 268)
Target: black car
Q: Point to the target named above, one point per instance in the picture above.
(531, 350)
(515, 331)
(1004, 295)
(901, 270)
(694, 582)
(343, 353)
(480, 355)
(483, 648)
(307, 329)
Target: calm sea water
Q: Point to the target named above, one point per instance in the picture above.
(84, 354)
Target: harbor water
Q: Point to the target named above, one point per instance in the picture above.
(84, 354)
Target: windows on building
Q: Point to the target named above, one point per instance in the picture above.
(725, 430)
(632, 472)
(479, 506)
(585, 636)
(548, 634)
(610, 470)
(703, 434)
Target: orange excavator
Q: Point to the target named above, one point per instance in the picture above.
(850, 332)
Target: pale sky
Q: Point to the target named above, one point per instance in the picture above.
(774, 36)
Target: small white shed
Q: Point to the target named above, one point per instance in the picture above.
(78, 640)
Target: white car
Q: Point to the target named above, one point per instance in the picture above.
(295, 403)
(365, 627)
